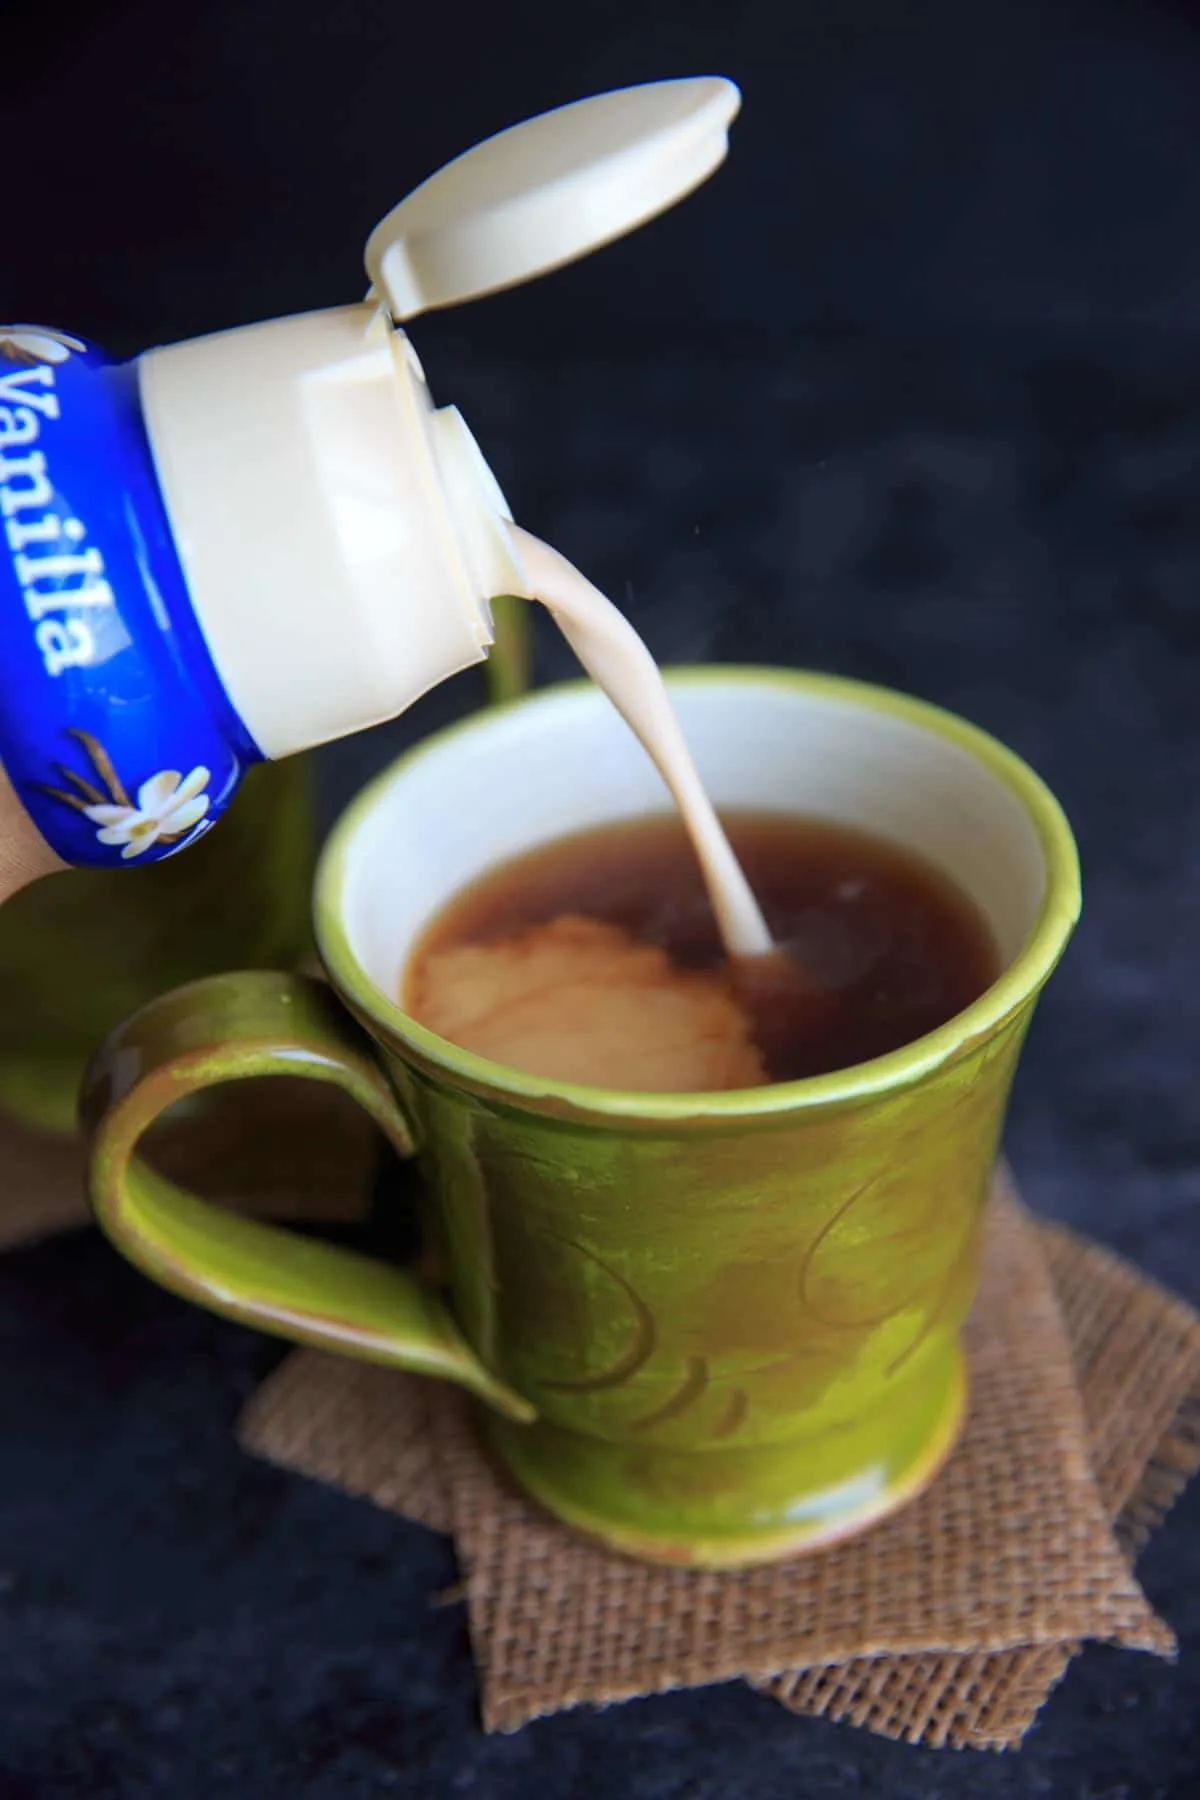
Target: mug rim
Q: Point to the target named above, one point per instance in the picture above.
(1018, 982)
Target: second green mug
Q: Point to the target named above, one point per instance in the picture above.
(709, 1329)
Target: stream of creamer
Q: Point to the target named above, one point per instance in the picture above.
(621, 666)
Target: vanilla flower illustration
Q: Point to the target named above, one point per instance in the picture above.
(167, 807)
(29, 344)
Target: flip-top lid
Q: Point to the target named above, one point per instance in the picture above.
(548, 191)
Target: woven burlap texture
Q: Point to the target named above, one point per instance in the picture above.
(1136, 1351)
(279, 1149)
(1011, 1546)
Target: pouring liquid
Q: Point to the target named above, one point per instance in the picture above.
(622, 667)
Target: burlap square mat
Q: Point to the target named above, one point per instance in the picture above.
(946, 1624)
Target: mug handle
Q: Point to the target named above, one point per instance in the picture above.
(228, 1028)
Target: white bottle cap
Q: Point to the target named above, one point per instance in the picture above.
(548, 191)
(340, 536)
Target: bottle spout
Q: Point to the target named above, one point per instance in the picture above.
(481, 517)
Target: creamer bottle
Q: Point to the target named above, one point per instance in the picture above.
(239, 547)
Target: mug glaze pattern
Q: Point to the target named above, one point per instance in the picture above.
(712, 1329)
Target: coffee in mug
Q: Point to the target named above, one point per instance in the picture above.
(598, 957)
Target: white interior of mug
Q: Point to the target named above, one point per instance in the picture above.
(563, 761)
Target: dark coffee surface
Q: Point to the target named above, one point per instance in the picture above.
(878, 946)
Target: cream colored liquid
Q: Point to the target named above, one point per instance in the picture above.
(621, 666)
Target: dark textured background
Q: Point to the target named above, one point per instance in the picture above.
(911, 391)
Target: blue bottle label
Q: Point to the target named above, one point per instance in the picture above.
(114, 727)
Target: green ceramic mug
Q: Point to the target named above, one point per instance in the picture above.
(709, 1329)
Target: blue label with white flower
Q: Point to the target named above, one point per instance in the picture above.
(115, 729)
